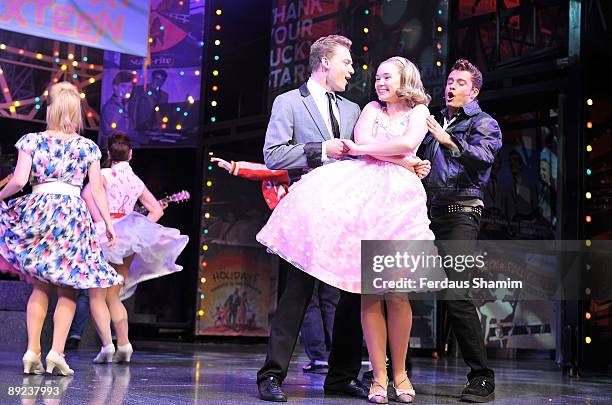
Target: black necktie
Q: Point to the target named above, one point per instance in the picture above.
(334, 123)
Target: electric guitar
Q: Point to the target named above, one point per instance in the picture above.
(176, 197)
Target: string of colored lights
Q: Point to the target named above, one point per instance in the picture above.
(80, 73)
(214, 64)
(208, 182)
(588, 219)
(207, 188)
(365, 48)
(440, 39)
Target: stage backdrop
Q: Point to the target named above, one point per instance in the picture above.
(237, 287)
(158, 106)
(113, 25)
(521, 203)
(394, 28)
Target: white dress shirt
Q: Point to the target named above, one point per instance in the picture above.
(447, 122)
(319, 96)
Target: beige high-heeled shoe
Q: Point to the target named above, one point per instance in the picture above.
(380, 396)
(106, 354)
(32, 363)
(123, 353)
(56, 360)
(404, 395)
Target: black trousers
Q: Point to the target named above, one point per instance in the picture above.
(345, 355)
(460, 308)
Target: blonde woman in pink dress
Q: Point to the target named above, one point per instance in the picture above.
(321, 222)
(144, 250)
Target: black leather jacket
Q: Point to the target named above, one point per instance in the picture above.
(462, 174)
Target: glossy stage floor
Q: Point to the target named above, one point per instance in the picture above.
(169, 373)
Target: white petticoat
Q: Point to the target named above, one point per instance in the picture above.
(156, 249)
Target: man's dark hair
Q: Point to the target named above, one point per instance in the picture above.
(118, 148)
(122, 77)
(160, 72)
(467, 66)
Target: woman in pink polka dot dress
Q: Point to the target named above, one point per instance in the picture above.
(319, 225)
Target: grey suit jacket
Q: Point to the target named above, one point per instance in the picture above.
(297, 130)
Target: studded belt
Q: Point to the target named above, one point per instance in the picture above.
(439, 210)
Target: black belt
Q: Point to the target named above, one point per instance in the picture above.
(439, 210)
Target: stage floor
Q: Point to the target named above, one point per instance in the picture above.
(169, 373)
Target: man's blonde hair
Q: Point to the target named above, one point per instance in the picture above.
(325, 47)
(64, 111)
(411, 86)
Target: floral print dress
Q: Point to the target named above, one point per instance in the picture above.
(51, 237)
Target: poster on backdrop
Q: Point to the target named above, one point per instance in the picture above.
(238, 278)
(158, 106)
(118, 26)
(395, 28)
(237, 292)
(520, 202)
(295, 26)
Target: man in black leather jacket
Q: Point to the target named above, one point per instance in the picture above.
(461, 147)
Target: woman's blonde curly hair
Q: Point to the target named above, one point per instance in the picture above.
(411, 86)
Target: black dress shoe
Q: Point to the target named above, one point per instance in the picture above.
(72, 343)
(270, 390)
(314, 368)
(355, 388)
(479, 389)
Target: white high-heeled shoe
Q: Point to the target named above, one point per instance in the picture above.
(105, 355)
(378, 396)
(123, 354)
(32, 363)
(405, 396)
(56, 360)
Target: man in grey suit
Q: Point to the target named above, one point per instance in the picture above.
(304, 132)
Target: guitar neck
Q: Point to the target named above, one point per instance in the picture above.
(142, 210)
(174, 198)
